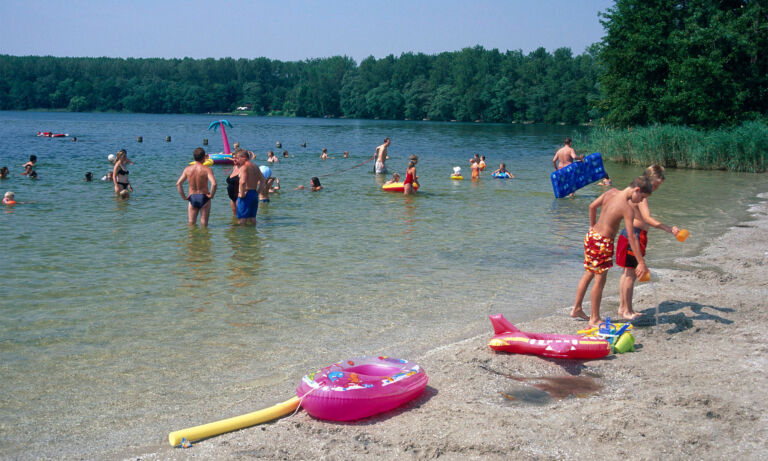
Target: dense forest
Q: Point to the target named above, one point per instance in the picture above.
(471, 84)
(701, 63)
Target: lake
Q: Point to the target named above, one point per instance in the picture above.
(121, 323)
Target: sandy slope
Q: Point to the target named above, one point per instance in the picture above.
(694, 389)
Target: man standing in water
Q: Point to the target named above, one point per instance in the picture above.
(381, 157)
(565, 155)
(252, 183)
(199, 198)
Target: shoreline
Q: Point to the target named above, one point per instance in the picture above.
(693, 388)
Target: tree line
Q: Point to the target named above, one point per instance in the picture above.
(467, 85)
(701, 63)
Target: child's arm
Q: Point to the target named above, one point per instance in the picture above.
(645, 214)
(629, 216)
(597, 203)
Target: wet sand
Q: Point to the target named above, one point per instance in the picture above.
(694, 389)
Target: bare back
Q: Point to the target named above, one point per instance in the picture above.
(198, 176)
(615, 206)
(565, 156)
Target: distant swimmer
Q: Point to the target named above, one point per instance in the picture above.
(29, 167)
(565, 155)
(272, 158)
(381, 157)
(4, 172)
(9, 199)
(502, 172)
(324, 155)
(199, 177)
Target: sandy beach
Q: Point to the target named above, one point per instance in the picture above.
(693, 389)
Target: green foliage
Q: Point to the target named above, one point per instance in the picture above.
(467, 85)
(690, 62)
(738, 148)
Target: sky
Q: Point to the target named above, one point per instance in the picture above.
(292, 30)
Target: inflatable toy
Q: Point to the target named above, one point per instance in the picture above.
(232, 424)
(577, 175)
(360, 387)
(508, 338)
(222, 159)
(207, 162)
(682, 235)
(457, 177)
(504, 175)
(397, 187)
(9, 202)
(48, 134)
(222, 124)
(266, 171)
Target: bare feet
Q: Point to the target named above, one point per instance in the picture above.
(596, 323)
(629, 315)
(578, 313)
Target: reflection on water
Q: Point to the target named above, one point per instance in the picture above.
(198, 256)
(246, 261)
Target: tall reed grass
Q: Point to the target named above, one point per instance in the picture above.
(740, 148)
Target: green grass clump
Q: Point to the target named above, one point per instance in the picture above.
(739, 148)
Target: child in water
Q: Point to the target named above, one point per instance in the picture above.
(395, 178)
(315, 184)
(324, 155)
(9, 199)
(502, 169)
(457, 171)
(4, 172)
(475, 165)
(411, 182)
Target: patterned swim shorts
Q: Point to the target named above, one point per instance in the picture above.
(598, 252)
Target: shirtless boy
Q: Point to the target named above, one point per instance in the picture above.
(199, 198)
(252, 185)
(381, 157)
(598, 243)
(565, 155)
(625, 256)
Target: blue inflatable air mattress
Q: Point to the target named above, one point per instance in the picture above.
(577, 175)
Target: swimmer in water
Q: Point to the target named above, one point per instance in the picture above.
(395, 178)
(316, 184)
(9, 199)
(324, 155)
(502, 169)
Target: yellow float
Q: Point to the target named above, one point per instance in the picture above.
(397, 187)
(232, 424)
(207, 162)
(457, 177)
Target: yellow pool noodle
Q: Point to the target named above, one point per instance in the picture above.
(232, 424)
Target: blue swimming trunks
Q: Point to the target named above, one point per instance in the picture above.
(198, 200)
(247, 207)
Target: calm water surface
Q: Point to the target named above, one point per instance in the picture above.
(120, 323)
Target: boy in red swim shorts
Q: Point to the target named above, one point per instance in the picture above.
(615, 205)
(625, 256)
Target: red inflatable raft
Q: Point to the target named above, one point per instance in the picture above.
(509, 339)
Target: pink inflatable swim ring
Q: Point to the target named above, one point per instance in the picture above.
(360, 387)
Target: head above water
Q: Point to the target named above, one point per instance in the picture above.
(33, 158)
(88, 176)
(9, 195)
(199, 154)
(315, 181)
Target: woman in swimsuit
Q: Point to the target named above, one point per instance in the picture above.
(120, 174)
(233, 184)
